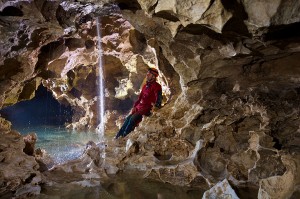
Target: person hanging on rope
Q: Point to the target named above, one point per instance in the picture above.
(151, 95)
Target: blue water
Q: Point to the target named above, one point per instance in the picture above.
(61, 144)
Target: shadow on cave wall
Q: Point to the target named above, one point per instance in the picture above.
(42, 110)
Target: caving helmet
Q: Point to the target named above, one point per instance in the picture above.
(153, 71)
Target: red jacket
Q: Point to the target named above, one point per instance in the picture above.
(151, 94)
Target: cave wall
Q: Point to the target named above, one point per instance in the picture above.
(232, 68)
(238, 108)
(56, 44)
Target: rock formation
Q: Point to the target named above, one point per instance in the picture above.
(18, 171)
(239, 93)
(61, 52)
(229, 70)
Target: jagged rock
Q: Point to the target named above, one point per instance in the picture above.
(85, 171)
(44, 160)
(189, 12)
(131, 147)
(28, 190)
(271, 13)
(19, 56)
(18, 171)
(281, 186)
(220, 190)
(30, 141)
(5, 125)
(94, 153)
(230, 70)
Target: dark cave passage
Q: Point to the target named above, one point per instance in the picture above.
(43, 109)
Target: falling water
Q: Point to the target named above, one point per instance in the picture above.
(101, 83)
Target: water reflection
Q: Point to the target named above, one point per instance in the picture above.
(128, 186)
(123, 187)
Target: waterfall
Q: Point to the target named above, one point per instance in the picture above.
(101, 83)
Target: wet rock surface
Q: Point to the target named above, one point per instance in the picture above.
(230, 76)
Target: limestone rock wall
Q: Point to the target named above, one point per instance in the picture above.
(231, 68)
(237, 115)
(57, 44)
(24, 30)
(74, 78)
(19, 172)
